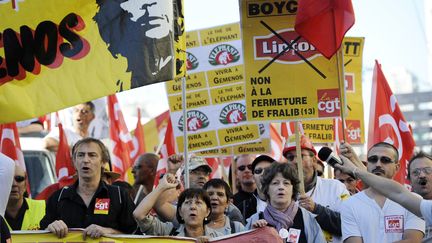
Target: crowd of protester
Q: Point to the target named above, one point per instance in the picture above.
(269, 194)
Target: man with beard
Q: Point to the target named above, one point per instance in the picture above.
(368, 216)
(245, 179)
(82, 115)
(420, 176)
(143, 32)
(323, 197)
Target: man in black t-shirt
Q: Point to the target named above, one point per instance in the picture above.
(90, 203)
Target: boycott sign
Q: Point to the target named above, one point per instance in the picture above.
(58, 53)
(323, 131)
(286, 77)
(216, 111)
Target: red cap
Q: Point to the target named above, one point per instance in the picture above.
(305, 143)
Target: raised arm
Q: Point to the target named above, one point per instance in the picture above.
(386, 187)
(167, 182)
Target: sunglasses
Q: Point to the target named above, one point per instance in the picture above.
(426, 170)
(291, 157)
(258, 171)
(19, 179)
(243, 167)
(384, 159)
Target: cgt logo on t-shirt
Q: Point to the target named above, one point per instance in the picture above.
(394, 224)
(102, 206)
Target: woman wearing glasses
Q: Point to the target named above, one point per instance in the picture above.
(220, 195)
(280, 185)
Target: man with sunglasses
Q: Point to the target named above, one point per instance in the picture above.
(323, 196)
(144, 172)
(23, 213)
(368, 216)
(258, 203)
(244, 179)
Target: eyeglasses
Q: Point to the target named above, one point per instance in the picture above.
(426, 170)
(19, 179)
(243, 167)
(291, 157)
(384, 159)
(258, 171)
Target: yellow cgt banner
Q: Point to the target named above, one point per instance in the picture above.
(58, 53)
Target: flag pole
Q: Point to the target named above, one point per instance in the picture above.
(342, 93)
(299, 158)
(185, 139)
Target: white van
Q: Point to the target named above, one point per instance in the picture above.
(40, 163)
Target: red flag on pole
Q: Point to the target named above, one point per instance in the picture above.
(10, 143)
(11, 147)
(387, 123)
(276, 144)
(288, 128)
(324, 23)
(120, 137)
(138, 139)
(167, 149)
(64, 166)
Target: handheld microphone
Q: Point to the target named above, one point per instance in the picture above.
(327, 155)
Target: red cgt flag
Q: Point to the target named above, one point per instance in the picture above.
(324, 23)
(387, 123)
(120, 137)
(64, 166)
(138, 139)
(11, 147)
(168, 149)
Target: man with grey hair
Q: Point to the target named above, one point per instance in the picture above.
(90, 203)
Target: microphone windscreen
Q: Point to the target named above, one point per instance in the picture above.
(324, 153)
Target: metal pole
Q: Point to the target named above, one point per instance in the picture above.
(185, 139)
(342, 93)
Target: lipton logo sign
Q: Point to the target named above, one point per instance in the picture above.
(268, 47)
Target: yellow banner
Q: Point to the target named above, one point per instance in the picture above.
(216, 113)
(58, 53)
(76, 236)
(286, 77)
(322, 131)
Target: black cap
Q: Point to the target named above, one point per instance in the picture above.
(261, 158)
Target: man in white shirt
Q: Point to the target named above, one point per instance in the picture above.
(368, 216)
(82, 115)
(323, 197)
